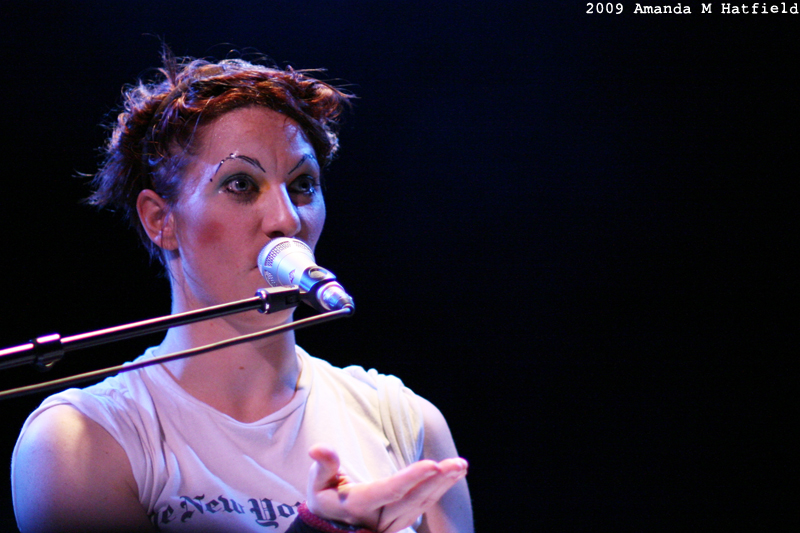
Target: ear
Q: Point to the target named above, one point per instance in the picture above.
(156, 218)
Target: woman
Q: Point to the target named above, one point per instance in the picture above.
(210, 164)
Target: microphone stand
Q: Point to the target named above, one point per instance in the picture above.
(47, 350)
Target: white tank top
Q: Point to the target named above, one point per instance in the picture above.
(198, 469)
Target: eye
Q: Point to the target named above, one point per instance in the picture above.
(306, 185)
(240, 185)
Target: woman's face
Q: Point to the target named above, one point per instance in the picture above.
(253, 176)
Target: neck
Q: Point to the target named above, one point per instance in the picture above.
(248, 381)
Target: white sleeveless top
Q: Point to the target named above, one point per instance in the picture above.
(198, 469)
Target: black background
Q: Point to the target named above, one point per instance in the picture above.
(572, 232)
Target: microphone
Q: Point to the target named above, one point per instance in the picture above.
(286, 261)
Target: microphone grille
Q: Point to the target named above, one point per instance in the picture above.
(271, 253)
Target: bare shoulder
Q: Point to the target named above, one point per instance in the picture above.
(70, 474)
(438, 443)
(453, 513)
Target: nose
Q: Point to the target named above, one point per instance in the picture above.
(281, 218)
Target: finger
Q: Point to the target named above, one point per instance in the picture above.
(325, 471)
(404, 512)
(401, 514)
(455, 464)
(453, 470)
(396, 487)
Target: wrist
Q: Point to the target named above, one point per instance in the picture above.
(327, 526)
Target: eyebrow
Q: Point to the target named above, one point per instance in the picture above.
(247, 159)
(253, 161)
(303, 159)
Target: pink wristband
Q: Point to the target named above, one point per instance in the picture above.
(327, 526)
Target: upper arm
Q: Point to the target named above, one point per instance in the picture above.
(70, 474)
(453, 512)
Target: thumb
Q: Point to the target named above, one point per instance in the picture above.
(325, 470)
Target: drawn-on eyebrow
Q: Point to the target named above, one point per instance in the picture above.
(303, 160)
(247, 159)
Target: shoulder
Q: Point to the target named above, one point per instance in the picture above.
(382, 399)
(68, 470)
(438, 443)
(354, 380)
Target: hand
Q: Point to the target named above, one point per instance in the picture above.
(386, 505)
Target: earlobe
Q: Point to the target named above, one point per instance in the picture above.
(156, 218)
